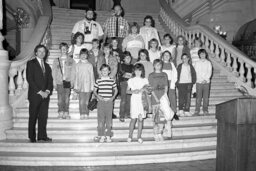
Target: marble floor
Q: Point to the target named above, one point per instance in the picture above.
(202, 165)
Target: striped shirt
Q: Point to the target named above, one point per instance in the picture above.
(105, 87)
(110, 27)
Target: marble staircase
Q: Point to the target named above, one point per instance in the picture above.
(194, 138)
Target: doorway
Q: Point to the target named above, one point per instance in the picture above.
(82, 4)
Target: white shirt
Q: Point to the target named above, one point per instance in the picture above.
(185, 75)
(170, 49)
(93, 26)
(154, 55)
(203, 70)
(40, 62)
(76, 52)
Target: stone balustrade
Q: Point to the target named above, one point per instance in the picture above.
(41, 35)
(235, 64)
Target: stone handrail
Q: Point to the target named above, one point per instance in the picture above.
(41, 35)
(234, 63)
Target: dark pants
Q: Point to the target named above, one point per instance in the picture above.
(38, 110)
(63, 98)
(84, 98)
(125, 101)
(202, 91)
(173, 99)
(105, 109)
(184, 91)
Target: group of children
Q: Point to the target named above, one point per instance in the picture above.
(142, 82)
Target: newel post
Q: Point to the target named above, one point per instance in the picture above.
(5, 108)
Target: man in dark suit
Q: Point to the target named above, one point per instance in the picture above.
(39, 77)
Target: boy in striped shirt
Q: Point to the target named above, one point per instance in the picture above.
(105, 90)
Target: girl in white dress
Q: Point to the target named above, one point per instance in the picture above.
(136, 85)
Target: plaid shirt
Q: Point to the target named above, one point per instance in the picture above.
(110, 27)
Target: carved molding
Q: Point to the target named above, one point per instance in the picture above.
(22, 18)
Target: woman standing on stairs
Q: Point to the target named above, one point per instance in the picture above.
(148, 31)
(61, 72)
(181, 48)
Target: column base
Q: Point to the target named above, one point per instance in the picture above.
(6, 121)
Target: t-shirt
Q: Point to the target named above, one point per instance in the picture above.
(76, 51)
(158, 82)
(185, 75)
(125, 69)
(154, 55)
(171, 49)
(105, 87)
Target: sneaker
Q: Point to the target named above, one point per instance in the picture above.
(156, 138)
(206, 112)
(66, 115)
(82, 117)
(86, 117)
(102, 139)
(108, 139)
(187, 113)
(96, 139)
(121, 119)
(180, 113)
(160, 137)
(196, 113)
(140, 140)
(60, 116)
(129, 139)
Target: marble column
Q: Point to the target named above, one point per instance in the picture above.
(5, 108)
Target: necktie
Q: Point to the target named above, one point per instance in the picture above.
(117, 25)
(42, 65)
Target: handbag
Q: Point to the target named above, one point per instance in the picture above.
(66, 84)
(165, 107)
(92, 104)
(159, 116)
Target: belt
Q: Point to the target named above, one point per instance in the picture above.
(87, 42)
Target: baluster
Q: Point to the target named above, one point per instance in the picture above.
(212, 47)
(235, 67)
(179, 30)
(12, 87)
(25, 83)
(217, 52)
(19, 81)
(229, 61)
(254, 69)
(223, 56)
(241, 70)
(249, 75)
(207, 42)
(202, 38)
(189, 39)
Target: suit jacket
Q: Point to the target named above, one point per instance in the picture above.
(37, 80)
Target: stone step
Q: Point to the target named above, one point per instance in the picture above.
(121, 158)
(213, 100)
(85, 134)
(53, 122)
(74, 112)
(116, 146)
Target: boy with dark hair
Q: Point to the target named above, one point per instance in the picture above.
(105, 90)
